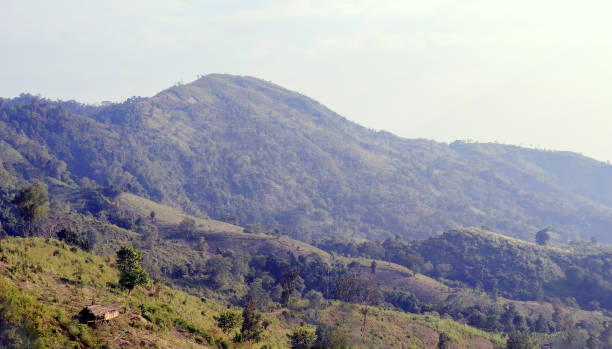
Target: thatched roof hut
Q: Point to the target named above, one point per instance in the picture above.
(98, 312)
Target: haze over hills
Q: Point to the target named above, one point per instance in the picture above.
(225, 146)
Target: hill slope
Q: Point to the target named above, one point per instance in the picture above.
(39, 303)
(229, 145)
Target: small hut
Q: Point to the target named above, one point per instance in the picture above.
(99, 313)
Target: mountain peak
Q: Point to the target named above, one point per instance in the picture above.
(224, 88)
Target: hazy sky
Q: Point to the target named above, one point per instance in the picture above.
(534, 72)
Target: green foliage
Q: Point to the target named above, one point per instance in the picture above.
(187, 228)
(281, 158)
(444, 341)
(355, 290)
(252, 326)
(519, 340)
(258, 295)
(497, 264)
(315, 299)
(131, 272)
(228, 321)
(39, 300)
(30, 202)
(302, 337)
(73, 238)
(219, 270)
(288, 285)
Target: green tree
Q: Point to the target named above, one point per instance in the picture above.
(69, 236)
(477, 319)
(252, 326)
(228, 321)
(444, 341)
(219, 271)
(30, 202)
(315, 299)
(329, 336)
(519, 340)
(131, 272)
(187, 228)
(302, 337)
(258, 295)
(73, 238)
(541, 325)
(542, 237)
(288, 285)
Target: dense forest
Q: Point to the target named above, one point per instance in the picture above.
(261, 217)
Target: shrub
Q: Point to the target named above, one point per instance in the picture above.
(302, 337)
(228, 321)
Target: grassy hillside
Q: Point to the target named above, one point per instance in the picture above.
(242, 147)
(234, 265)
(463, 251)
(168, 215)
(44, 284)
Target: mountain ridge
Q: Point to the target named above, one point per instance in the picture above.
(242, 146)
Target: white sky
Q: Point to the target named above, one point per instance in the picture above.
(534, 72)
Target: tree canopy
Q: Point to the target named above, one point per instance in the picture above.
(131, 272)
(252, 326)
(30, 202)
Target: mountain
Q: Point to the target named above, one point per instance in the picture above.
(246, 150)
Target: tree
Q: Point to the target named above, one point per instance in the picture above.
(69, 236)
(329, 336)
(315, 299)
(302, 337)
(258, 295)
(477, 319)
(519, 340)
(251, 323)
(288, 285)
(187, 228)
(542, 237)
(30, 202)
(219, 271)
(558, 313)
(73, 238)
(230, 218)
(351, 289)
(444, 341)
(131, 272)
(541, 325)
(228, 321)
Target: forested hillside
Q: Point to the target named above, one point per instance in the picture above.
(249, 151)
(500, 265)
(41, 303)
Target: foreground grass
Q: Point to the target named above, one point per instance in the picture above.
(44, 284)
